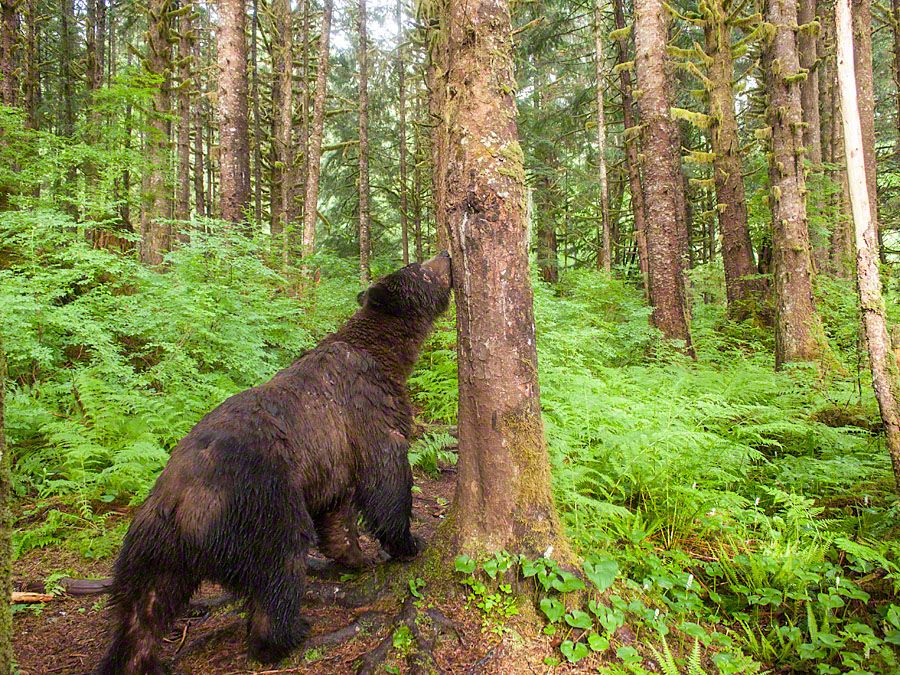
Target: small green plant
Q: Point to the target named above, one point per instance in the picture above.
(496, 599)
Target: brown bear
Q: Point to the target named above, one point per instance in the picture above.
(277, 468)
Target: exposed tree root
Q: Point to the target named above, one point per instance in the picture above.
(365, 621)
(425, 627)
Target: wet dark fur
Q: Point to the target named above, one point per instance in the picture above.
(276, 469)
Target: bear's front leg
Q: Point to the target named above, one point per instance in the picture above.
(384, 497)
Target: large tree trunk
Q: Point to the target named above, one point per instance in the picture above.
(663, 185)
(731, 201)
(862, 58)
(885, 376)
(254, 110)
(282, 114)
(631, 139)
(9, 76)
(401, 133)
(503, 498)
(6, 523)
(156, 207)
(314, 148)
(364, 224)
(798, 330)
(185, 87)
(604, 259)
(234, 146)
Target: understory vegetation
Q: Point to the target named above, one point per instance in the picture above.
(717, 503)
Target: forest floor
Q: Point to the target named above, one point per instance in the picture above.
(69, 634)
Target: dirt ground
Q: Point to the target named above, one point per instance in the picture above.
(68, 635)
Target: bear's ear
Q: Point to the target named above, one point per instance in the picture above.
(361, 298)
(378, 297)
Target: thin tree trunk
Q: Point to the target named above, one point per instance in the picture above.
(862, 58)
(895, 28)
(301, 160)
(798, 329)
(437, 87)
(604, 260)
(314, 148)
(199, 171)
(32, 66)
(631, 140)
(418, 159)
(256, 179)
(503, 498)
(364, 224)
(234, 150)
(401, 133)
(885, 377)
(283, 114)
(156, 234)
(9, 75)
(809, 87)
(66, 55)
(185, 85)
(731, 201)
(662, 174)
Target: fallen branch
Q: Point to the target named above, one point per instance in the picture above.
(20, 597)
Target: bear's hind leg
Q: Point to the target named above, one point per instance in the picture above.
(339, 537)
(276, 627)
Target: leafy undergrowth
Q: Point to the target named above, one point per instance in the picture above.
(748, 512)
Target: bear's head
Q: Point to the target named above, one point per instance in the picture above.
(417, 291)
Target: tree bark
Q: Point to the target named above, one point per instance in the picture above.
(631, 150)
(283, 116)
(314, 148)
(503, 498)
(364, 224)
(662, 174)
(6, 523)
(9, 75)
(156, 206)
(401, 134)
(185, 86)
(885, 377)
(731, 202)
(798, 330)
(604, 260)
(865, 86)
(234, 147)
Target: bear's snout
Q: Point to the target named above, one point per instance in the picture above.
(439, 265)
